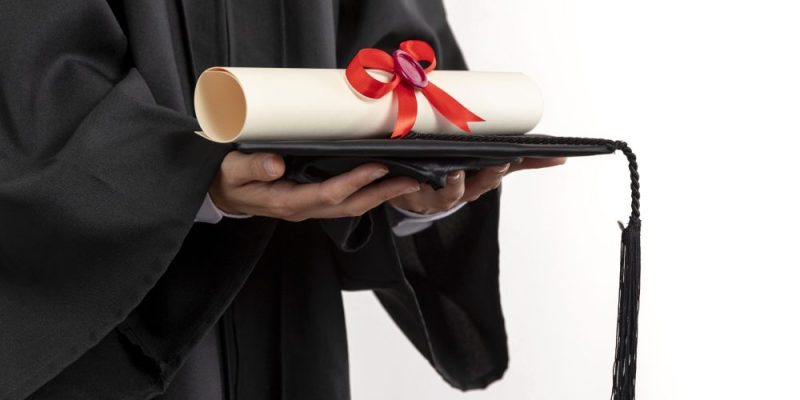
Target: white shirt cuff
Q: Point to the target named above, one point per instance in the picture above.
(209, 212)
(416, 222)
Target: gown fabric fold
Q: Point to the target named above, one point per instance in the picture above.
(107, 287)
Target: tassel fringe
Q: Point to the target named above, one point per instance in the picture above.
(624, 380)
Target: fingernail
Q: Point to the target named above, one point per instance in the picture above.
(379, 174)
(410, 189)
(454, 176)
(502, 169)
(269, 166)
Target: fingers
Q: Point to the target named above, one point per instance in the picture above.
(336, 190)
(483, 181)
(428, 200)
(448, 196)
(240, 168)
(369, 198)
(349, 194)
(535, 163)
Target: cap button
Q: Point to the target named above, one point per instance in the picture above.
(409, 69)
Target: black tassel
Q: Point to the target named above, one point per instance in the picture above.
(624, 387)
(630, 268)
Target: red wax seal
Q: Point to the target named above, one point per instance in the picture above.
(409, 69)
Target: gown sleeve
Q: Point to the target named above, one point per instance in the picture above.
(452, 269)
(100, 178)
(440, 285)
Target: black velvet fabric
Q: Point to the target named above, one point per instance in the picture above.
(107, 287)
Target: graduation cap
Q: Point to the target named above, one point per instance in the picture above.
(345, 114)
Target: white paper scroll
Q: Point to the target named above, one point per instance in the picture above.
(237, 104)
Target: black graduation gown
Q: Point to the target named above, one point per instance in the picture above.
(107, 285)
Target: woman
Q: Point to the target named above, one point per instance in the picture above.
(108, 287)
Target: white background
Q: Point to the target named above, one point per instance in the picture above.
(707, 92)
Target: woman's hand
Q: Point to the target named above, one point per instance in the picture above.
(251, 184)
(463, 188)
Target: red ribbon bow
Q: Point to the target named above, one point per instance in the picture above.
(408, 76)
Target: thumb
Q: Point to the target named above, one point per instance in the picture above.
(240, 168)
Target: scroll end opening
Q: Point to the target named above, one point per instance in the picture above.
(220, 105)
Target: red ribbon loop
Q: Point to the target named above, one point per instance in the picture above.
(420, 51)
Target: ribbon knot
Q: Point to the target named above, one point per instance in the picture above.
(407, 77)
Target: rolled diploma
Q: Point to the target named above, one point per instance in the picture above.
(240, 104)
